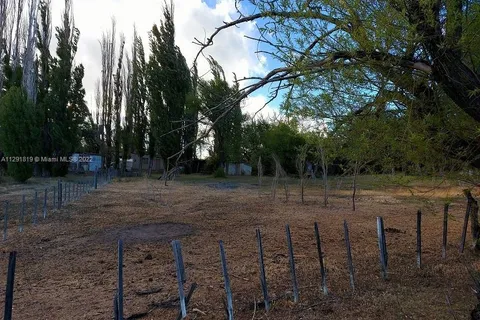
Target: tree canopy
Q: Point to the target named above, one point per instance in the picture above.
(415, 60)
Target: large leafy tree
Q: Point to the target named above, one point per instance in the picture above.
(416, 58)
(282, 140)
(253, 136)
(215, 96)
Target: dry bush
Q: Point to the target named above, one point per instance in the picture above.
(280, 176)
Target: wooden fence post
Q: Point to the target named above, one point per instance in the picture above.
(445, 231)
(419, 238)
(120, 280)
(181, 293)
(263, 278)
(382, 246)
(226, 278)
(10, 284)
(323, 271)
(351, 269)
(292, 264)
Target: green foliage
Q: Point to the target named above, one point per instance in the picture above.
(19, 132)
(414, 65)
(385, 143)
(219, 173)
(13, 76)
(211, 163)
(282, 140)
(168, 81)
(90, 142)
(65, 107)
(253, 136)
(216, 99)
(137, 108)
(118, 97)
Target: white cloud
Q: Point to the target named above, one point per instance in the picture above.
(193, 19)
(253, 104)
(312, 125)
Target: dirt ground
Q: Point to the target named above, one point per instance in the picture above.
(66, 266)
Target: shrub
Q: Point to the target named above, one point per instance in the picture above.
(219, 173)
(19, 132)
(211, 164)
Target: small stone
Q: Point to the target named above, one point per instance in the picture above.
(148, 257)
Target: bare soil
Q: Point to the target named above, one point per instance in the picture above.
(154, 232)
(66, 265)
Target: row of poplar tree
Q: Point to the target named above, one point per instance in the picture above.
(149, 107)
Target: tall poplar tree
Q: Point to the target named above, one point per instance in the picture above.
(169, 83)
(118, 93)
(65, 99)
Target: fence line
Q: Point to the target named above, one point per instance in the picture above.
(54, 199)
(181, 275)
(382, 246)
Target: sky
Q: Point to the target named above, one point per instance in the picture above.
(193, 19)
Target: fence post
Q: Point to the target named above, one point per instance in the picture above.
(180, 260)
(22, 214)
(35, 206)
(465, 225)
(5, 221)
(115, 307)
(323, 271)
(45, 196)
(445, 231)
(292, 264)
(226, 278)
(382, 246)
(419, 238)
(181, 293)
(10, 283)
(60, 196)
(351, 269)
(95, 178)
(54, 197)
(120, 280)
(263, 278)
(193, 286)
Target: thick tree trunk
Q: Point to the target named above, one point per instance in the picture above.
(456, 78)
(458, 81)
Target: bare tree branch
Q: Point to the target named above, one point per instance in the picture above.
(273, 14)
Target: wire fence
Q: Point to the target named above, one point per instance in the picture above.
(33, 206)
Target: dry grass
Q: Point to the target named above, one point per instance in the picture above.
(66, 267)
